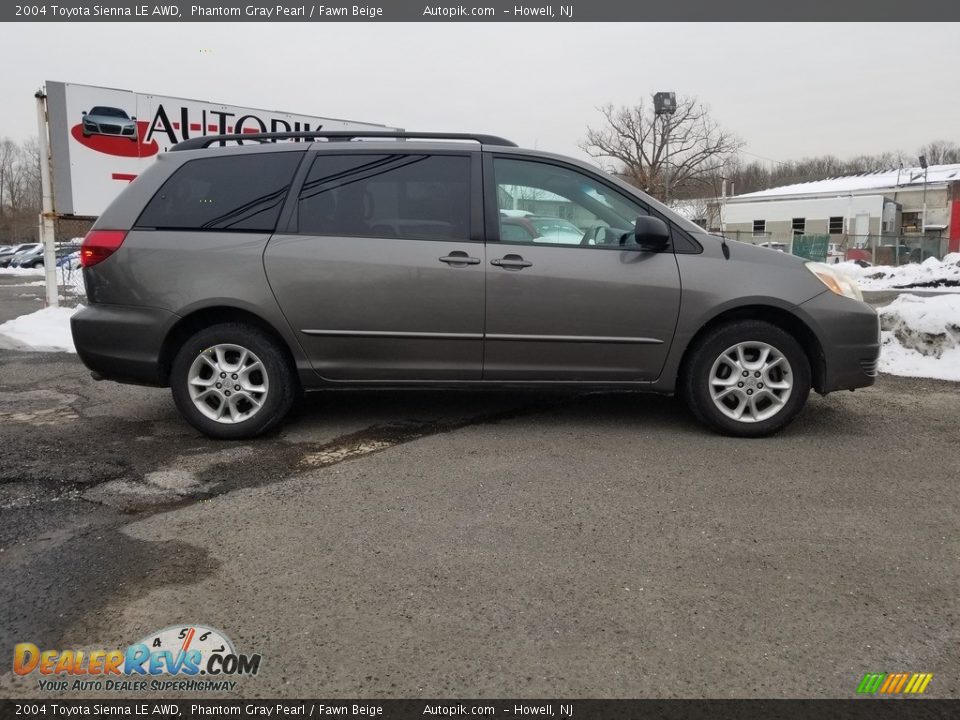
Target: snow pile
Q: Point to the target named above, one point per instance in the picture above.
(931, 273)
(21, 271)
(46, 330)
(921, 337)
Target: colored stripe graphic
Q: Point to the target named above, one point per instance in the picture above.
(894, 683)
(871, 683)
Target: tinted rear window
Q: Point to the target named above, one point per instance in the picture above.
(234, 192)
(425, 197)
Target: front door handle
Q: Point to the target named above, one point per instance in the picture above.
(511, 262)
(459, 258)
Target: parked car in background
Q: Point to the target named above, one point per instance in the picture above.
(34, 257)
(28, 258)
(7, 255)
(69, 259)
(533, 228)
(778, 246)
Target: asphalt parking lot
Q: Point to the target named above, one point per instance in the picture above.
(451, 544)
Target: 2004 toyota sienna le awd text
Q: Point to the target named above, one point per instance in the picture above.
(242, 275)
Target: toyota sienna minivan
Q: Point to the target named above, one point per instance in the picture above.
(241, 275)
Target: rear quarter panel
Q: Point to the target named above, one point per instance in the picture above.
(185, 271)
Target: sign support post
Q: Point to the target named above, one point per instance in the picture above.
(47, 232)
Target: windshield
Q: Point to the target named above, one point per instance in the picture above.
(108, 112)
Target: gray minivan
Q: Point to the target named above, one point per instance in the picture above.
(242, 274)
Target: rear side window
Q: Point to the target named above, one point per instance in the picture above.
(234, 192)
(425, 197)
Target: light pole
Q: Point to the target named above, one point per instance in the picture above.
(923, 164)
(665, 104)
(923, 224)
(46, 228)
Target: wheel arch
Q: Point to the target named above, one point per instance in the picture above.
(777, 316)
(204, 317)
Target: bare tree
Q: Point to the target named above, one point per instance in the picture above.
(8, 157)
(634, 138)
(941, 152)
(30, 158)
(20, 190)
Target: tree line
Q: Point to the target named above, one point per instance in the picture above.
(20, 191)
(688, 154)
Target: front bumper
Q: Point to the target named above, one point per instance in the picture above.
(849, 335)
(122, 343)
(127, 131)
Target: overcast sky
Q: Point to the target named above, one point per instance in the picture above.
(787, 90)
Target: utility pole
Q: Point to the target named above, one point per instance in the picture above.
(923, 164)
(923, 225)
(666, 162)
(665, 104)
(47, 232)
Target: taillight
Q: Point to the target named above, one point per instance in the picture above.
(98, 245)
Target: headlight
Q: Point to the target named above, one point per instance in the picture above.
(838, 282)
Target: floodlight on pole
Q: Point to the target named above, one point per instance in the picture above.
(923, 225)
(665, 104)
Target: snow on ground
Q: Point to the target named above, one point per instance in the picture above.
(46, 330)
(921, 337)
(930, 274)
(15, 272)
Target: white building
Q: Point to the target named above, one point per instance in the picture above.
(911, 207)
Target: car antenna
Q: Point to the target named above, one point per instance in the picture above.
(720, 203)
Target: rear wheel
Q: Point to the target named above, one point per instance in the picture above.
(232, 381)
(747, 379)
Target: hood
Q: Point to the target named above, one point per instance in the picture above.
(108, 120)
(754, 253)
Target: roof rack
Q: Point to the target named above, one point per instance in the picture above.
(344, 135)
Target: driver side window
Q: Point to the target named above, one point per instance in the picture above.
(543, 204)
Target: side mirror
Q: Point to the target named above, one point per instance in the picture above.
(133, 117)
(651, 233)
(83, 112)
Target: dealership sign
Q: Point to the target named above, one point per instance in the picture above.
(101, 138)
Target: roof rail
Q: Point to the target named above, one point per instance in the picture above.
(208, 140)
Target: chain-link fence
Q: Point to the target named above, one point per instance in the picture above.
(875, 249)
(69, 233)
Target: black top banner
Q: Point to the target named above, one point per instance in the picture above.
(486, 11)
(865, 709)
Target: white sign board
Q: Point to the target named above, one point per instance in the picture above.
(101, 138)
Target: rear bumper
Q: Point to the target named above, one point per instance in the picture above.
(849, 334)
(122, 343)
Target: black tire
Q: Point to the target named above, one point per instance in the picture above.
(695, 380)
(282, 382)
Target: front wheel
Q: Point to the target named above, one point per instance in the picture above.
(232, 381)
(747, 379)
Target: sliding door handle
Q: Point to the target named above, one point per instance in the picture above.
(511, 262)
